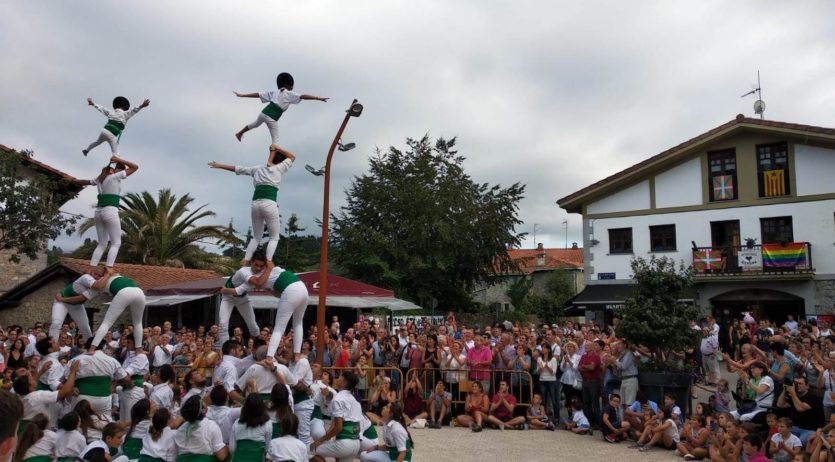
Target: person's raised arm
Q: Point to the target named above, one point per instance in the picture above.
(220, 166)
(246, 95)
(99, 108)
(144, 104)
(262, 278)
(102, 281)
(81, 182)
(74, 300)
(68, 387)
(132, 167)
(314, 98)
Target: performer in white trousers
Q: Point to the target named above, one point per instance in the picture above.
(126, 294)
(395, 436)
(267, 181)
(71, 300)
(302, 397)
(279, 102)
(96, 374)
(292, 301)
(116, 120)
(229, 302)
(347, 415)
(106, 216)
(136, 367)
(323, 394)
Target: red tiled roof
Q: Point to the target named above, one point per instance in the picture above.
(739, 121)
(527, 259)
(146, 276)
(44, 168)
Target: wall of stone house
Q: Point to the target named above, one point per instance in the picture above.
(824, 296)
(35, 307)
(12, 274)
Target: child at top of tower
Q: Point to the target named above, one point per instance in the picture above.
(278, 103)
(116, 120)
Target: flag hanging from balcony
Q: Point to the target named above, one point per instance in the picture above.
(791, 255)
(723, 187)
(774, 182)
(707, 259)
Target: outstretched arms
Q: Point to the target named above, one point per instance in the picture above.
(214, 164)
(245, 95)
(315, 98)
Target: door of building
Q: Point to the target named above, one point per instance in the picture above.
(724, 235)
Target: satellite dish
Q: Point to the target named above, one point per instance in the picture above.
(759, 107)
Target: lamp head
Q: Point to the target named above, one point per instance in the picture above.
(346, 146)
(355, 110)
(315, 172)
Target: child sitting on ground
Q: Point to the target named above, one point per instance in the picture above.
(661, 432)
(578, 423)
(614, 427)
(537, 417)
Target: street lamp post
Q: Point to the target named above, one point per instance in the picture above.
(353, 111)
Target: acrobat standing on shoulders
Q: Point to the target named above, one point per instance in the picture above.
(267, 180)
(116, 120)
(279, 102)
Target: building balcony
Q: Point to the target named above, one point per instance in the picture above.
(783, 261)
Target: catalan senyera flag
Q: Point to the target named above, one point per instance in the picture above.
(723, 187)
(774, 182)
(784, 256)
(707, 259)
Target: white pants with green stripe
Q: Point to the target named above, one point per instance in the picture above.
(109, 138)
(77, 313)
(293, 302)
(272, 126)
(108, 229)
(264, 211)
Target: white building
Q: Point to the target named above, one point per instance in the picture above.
(702, 202)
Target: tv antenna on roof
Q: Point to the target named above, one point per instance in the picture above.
(759, 104)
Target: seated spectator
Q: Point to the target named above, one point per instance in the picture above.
(804, 408)
(693, 443)
(476, 407)
(752, 449)
(578, 423)
(634, 413)
(413, 400)
(823, 446)
(760, 388)
(537, 416)
(659, 430)
(501, 410)
(783, 445)
(438, 404)
(612, 425)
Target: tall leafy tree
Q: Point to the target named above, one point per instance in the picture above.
(418, 224)
(164, 231)
(29, 207)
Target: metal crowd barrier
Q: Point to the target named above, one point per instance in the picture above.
(364, 394)
(459, 382)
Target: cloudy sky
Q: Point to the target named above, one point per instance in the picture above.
(555, 95)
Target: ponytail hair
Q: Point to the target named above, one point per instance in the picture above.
(397, 416)
(31, 434)
(280, 402)
(140, 411)
(159, 423)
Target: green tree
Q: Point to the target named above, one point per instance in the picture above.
(29, 207)
(163, 231)
(518, 291)
(550, 304)
(654, 316)
(418, 224)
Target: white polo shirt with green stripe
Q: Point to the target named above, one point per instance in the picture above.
(109, 189)
(278, 102)
(277, 281)
(81, 286)
(265, 178)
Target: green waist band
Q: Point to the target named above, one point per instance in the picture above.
(284, 279)
(265, 396)
(272, 111)
(300, 397)
(98, 386)
(189, 457)
(38, 459)
(276, 430)
(370, 433)
(228, 284)
(249, 451)
(65, 459)
(138, 380)
(265, 191)
(42, 386)
(317, 413)
(108, 200)
(120, 283)
(394, 453)
(131, 447)
(114, 126)
(147, 458)
(68, 291)
(350, 431)
(22, 425)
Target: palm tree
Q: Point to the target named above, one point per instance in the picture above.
(162, 231)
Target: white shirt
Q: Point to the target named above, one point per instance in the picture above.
(265, 379)
(395, 435)
(204, 439)
(136, 365)
(244, 364)
(140, 430)
(544, 375)
(44, 446)
(118, 114)
(97, 365)
(274, 274)
(224, 417)
(344, 405)
(287, 448)
(226, 373)
(53, 376)
(163, 396)
(319, 398)
(162, 354)
(269, 175)
(579, 418)
(570, 373)
(111, 184)
(240, 431)
(37, 402)
(84, 286)
(70, 444)
(783, 455)
(163, 448)
(301, 369)
(201, 392)
(281, 98)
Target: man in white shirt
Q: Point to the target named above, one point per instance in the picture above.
(163, 351)
(302, 399)
(229, 302)
(347, 415)
(709, 347)
(196, 384)
(266, 373)
(136, 367)
(226, 373)
(96, 373)
(220, 413)
(40, 401)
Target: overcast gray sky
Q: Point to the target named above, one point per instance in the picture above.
(555, 95)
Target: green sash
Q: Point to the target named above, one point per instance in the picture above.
(317, 413)
(249, 451)
(138, 380)
(300, 397)
(228, 284)
(21, 426)
(284, 279)
(272, 111)
(370, 433)
(112, 451)
(147, 458)
(65, 459)
(265, 191)
(120, 283)
(393, 452)
(107, 200)
(98, 385)
(189, 457)
(68, 291)
(38, 459)
(276, 430)
(265, 396)
(114, 126)
(131, 447)
(42, 386)
(350, 431)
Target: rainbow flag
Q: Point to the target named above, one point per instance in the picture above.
(784, 256)
(707, 259)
